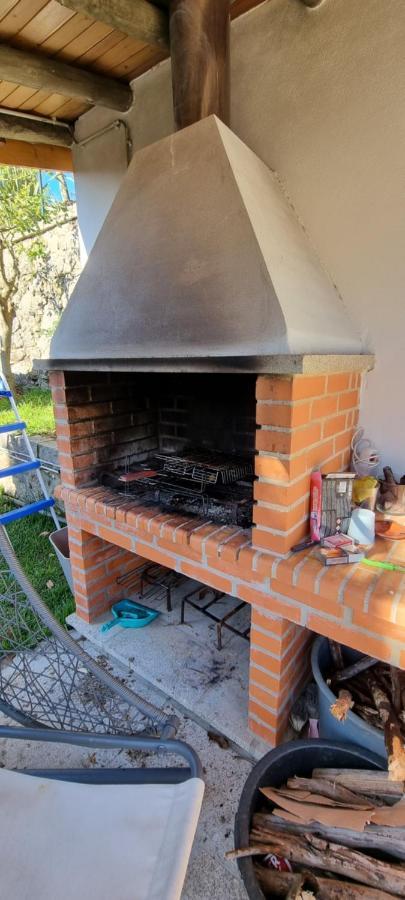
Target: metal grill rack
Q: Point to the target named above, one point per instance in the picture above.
(144, 485)
(206, 468)
(206, 484)
(230, 506)
(196, 599)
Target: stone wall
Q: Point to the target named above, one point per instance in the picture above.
(43, 296)
(25, 488)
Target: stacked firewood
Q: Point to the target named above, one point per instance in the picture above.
(339, 835)
(375, 691)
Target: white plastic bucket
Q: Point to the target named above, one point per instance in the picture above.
(60, 543)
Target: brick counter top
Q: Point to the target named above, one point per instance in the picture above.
(361, 606)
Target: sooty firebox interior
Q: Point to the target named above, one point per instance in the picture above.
(190, 445)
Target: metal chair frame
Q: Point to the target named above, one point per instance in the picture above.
(48, 681)
(164, 775)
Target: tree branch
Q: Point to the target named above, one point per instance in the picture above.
(8, 281)
(34, 234)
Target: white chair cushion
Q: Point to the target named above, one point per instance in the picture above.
(66, 841)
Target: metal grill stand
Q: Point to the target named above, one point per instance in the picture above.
(153, 581)
(195, 598)
(154, 576)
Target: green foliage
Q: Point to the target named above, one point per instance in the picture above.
(22, 206)
(36, 410)
(25, 209)
(29, 538)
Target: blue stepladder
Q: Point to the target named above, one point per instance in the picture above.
(33, 464)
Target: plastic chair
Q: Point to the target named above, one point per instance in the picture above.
(73, 834)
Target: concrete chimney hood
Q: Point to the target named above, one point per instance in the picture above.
(201, 264)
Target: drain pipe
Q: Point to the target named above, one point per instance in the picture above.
(199, 45)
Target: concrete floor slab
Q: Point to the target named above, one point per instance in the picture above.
(183, 662)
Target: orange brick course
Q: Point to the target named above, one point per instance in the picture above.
(304, 421)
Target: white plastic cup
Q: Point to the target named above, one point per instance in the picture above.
(362, 526)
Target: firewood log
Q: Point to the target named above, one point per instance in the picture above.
(358, 694)
(374, 837)
(336, 654)
(397, 688)
(392, 733)
(384, 679)
(342, 705)
(315, 853)
(366, 662)
(305, 795)
(277, 884)
(328, 789)
(369, 715)
(369, 782)
(362, 682)
(296, 886)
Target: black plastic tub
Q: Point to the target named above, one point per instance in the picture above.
(294, 758)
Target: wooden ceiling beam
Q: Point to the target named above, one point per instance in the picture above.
(35, 156)
(24, 128)
(41, 72)
(136, 18)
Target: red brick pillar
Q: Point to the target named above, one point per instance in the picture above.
(96, 565)
(303, 421)
(279, 669)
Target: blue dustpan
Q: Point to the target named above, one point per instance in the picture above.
(130, 614)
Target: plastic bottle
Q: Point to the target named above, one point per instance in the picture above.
(316, 505)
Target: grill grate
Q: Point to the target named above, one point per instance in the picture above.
(206, 468)
(210, 485)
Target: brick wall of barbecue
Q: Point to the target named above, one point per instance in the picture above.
(303, 422)
(175, 432)
(102, 420)
(210, 411)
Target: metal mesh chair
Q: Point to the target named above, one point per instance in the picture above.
(129, 831)
(48, 680)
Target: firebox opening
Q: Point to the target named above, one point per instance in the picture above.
(182, 442)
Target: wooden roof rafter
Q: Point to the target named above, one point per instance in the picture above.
(36, 71)
(139, 19)
(59, 57)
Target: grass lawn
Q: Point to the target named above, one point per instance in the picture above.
(29, 538)
(35, 407)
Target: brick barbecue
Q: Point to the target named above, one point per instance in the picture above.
(204, 317)
(302, 421)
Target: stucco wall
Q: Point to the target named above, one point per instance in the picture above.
(319, 95)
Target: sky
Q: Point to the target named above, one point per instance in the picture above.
(49, 180)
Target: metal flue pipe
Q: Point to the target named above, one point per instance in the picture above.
(199, 43)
